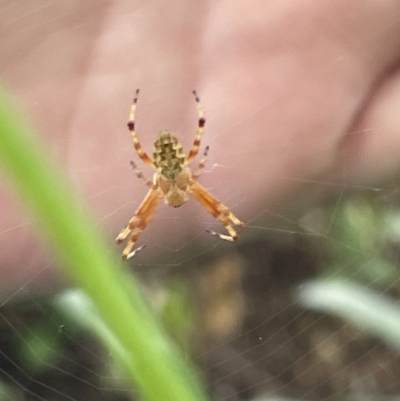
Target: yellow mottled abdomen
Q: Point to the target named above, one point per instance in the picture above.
(168, 155)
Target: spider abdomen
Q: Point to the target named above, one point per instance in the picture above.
(168, 155)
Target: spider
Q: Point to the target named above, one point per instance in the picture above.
(173, 181)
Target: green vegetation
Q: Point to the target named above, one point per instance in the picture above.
(138, 343)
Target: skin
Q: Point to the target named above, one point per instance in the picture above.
(298, 96)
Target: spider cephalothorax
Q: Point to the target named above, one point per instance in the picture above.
(173, 181)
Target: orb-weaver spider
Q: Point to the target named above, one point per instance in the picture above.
(173, 181)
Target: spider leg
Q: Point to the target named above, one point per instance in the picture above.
(200, 128)
(139, 222)
(218, 210)
(141, 176)
(131, 125)
(201, 164)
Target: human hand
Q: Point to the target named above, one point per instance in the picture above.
(293, 92)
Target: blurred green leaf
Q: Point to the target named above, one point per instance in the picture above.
(142, 348)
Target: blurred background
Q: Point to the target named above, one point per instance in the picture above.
(303, 307)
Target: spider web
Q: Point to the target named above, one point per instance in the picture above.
(260, 318)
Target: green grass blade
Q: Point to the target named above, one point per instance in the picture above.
(158, 369)
(371, 311)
